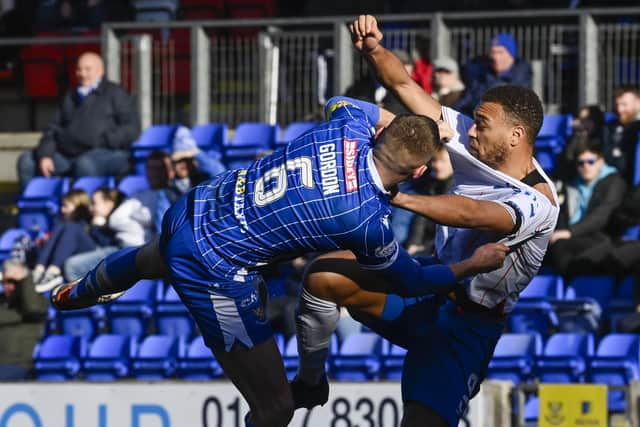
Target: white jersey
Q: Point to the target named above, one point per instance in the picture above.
(528, 243)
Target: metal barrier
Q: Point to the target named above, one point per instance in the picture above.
(281, 70)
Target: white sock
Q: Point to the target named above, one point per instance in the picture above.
(316, 320)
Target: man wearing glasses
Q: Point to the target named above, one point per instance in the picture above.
(22, 315)
(588, 203)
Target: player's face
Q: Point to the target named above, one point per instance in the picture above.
(488, 137)
(627, 107)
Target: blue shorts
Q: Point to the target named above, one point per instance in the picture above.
(448, 353)
(224, 319)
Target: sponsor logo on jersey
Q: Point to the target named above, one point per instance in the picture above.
(328, 169)
(238, 199)
(386, 250)
(350, 176)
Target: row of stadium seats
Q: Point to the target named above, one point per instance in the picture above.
(569, 358)
(362, 356)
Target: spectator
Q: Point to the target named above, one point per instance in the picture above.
(423, 231)
(93, 131)
(581, 240)
(22, 315)
(503, 66)
(620, 150)
(587, 126)
(191, 165)
(423, 70)
(69, 236)
(104, 202)
(448, 88)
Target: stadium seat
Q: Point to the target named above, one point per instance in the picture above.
(41, 68)
(39, 203)
(636, 173)
(610, 117)
(202, 9)
(250, 141)
(89, 184)
(173, 318)
(131, 313)
(544, 286)
(211, 136)
(565, 358)
(391, 361)
(57, 357)
(554, 130)
(622, 303)
(547, 160)
(585, 298)
(9, 238)
(616, 362)
(108, 358)
(358, 358)
(514, 357)
(294, 130)
(131, 184)
(631, 233)
(156, 358)
(198, 363)
(85, 323)
(157, 137)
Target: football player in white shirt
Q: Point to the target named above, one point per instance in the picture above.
(500, 194)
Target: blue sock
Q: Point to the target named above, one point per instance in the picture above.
(393, 307)
(117, 272)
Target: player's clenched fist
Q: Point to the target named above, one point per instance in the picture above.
(365, 33)
(489, 256)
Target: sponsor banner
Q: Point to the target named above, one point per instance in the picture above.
(195, 404)
(564, 405)
(350, 147)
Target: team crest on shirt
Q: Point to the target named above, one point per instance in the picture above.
(386, 250)
(350, 149)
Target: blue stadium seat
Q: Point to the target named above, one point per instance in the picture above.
(57, 357)
(616, 362)
(198, 363)
(565, 358)
(89, 184)
(514, 357)
(9, 238)
(294, 130)
(108, 358)
(622, 303)
(585, 298)
(610, 117)
(39, 203)
(250, 140)
(632, 233)
(547, 160)
(82, 323)
(131, 313)
(544, 286)
(173, 318)
(531, 410)
(636, 173)
(156, 358)
(391, 361)
(131, 184)
(157, 137)
(554, 130)
(210, 136)
(358, 358)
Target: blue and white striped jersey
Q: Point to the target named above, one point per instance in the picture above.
(320, 192)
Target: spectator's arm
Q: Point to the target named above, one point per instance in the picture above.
(47, 145)
(127, 128)
(34, 305)
(598, 218)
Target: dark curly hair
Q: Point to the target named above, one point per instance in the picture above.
(521, 106)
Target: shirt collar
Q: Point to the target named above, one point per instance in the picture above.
(373, 170)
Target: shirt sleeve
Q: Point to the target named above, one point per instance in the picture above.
(529, 212)
(344, 107)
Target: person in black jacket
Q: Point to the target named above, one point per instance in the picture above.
(620, 148)
(92, 133)
(581, 240)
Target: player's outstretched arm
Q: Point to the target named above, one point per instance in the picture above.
(410, 279)
(459, 211)
(366, 38)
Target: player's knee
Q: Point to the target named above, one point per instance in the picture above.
(277, 413)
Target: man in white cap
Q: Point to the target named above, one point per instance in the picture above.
(448, 88)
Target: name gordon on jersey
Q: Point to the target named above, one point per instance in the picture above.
(329, 167)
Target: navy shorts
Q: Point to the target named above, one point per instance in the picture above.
(448, 353)
(224, 318)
